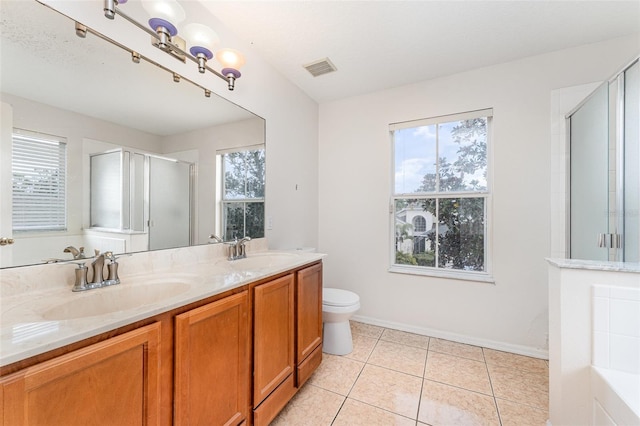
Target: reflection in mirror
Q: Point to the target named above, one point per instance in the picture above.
(243, 176)
(163, 140)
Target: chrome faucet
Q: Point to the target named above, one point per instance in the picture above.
(98, 270)
(77, 254)
(237, 249)
(98, 279)
(215, 238)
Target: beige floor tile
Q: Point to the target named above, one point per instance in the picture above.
(356, 413)
(461, 372)
(387, 389)
(513, 414)
(303, 408)
(524, 387)
(441, 404)
(366, 329)
(362, 347)
(507, 359)
(409, 339)
(403, 358)
(336, 374)
(454, 348)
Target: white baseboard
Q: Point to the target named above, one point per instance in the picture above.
(485, 343)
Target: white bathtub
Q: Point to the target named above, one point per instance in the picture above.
(615, 371)
(616, 397)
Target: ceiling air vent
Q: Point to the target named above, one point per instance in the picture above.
(318, 68)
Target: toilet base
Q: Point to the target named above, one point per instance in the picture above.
(337, 338)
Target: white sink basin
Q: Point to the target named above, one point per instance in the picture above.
(263, 260)
(117, 298)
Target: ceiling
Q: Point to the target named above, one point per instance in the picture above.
(377, 45)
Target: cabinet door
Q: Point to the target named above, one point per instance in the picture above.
(273, 335)
(112, 382)
(212, 363)
(309, 311)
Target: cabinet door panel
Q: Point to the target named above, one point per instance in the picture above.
(309, 311)
(112, 382)
(212, 363)
(273, 335)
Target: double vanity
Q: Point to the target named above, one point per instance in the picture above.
(187, 337)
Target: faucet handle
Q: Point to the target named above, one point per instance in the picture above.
(80, 283)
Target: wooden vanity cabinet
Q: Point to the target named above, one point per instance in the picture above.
(115, 381)
(287, 338)
(191, 365)
(212, 363)
(308, 322)
(273, 346)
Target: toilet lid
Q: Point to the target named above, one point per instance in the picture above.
(338, 297)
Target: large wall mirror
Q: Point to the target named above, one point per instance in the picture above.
(135, 160)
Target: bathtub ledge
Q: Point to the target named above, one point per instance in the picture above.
(619, 394)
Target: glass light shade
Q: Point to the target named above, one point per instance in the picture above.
(201, 39)
(230, 58)
(168, 10)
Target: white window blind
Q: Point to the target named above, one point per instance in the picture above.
(39, 164)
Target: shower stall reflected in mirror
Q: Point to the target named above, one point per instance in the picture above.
(146, 197)
(604, 174)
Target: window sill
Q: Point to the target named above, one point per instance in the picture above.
(441, 273)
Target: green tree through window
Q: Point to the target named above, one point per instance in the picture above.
(445, 159)
(243, 194)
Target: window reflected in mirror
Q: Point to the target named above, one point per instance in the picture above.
(242, 201)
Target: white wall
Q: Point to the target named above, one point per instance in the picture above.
(355, 176)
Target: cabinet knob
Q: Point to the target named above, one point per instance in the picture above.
(6, 241)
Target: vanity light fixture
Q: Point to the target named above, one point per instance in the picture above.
(202, 40)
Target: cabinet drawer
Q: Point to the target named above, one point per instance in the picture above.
(308, 366)
(274, 403)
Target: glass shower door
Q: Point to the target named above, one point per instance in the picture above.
(630, 127)
(589, 181)
(169, 203)
(605, 171)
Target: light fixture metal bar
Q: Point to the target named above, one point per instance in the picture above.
(171, 45)
(132, 52)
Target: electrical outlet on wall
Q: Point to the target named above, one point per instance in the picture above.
(269, 223)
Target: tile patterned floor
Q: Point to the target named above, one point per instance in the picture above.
(398, 378)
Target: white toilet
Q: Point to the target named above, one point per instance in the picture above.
(337, 307)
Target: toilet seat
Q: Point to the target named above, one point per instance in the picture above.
(338, 297)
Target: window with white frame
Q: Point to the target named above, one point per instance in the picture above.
(243, 186)
(441, 195)
(39, 167)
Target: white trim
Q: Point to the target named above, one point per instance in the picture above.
(256, 147)
(488, 112)
(460, 338)
(453, 274)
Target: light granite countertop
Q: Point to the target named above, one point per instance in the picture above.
(39, 318)
(596, 265)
